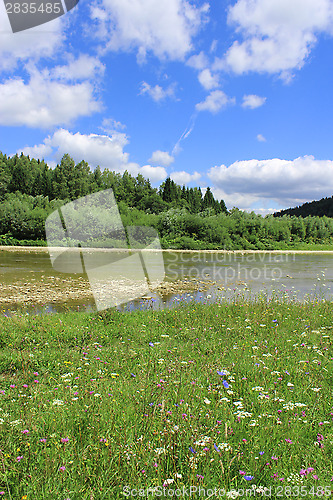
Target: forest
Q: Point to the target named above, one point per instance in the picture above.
(316, 208)
(184, 218)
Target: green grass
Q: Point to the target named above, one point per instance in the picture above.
(88, 407)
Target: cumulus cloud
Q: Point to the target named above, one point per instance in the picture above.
(35, 43)
(157, 93)
(253, 101)
(288, 183)
(154, 174)
(43, 103)
(198, 61)
(276, 35)
(214, 102)
(261, 138)
(207, 80)
(183, 177)
(103, 150)
(164, 28)
(84, 67)
(161, 158)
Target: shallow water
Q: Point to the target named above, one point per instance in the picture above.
(28, 280)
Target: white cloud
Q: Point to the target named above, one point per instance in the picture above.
(207, 80)
(253, 101)
(43, 103)
(41, 41)
(288, 183)
(278, 35)
(198, 61)
(261, 138)
(84, 67)
(184, 177)
(161, 158)
(214, 102)
(110, 125)
(157, 93)
(154, 174)
(103, 150)
(165, 27)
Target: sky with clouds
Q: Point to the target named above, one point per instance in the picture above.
(231, 94)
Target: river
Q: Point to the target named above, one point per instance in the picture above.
(30, 283)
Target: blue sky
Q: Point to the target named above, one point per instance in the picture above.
(231, 94)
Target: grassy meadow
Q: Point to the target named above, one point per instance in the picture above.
(233, 395)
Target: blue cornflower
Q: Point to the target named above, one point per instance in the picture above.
(192, 450)
(151, 344)
(132, 374)
(225, 383)
(216, 448)
(221, 373)
(261, 452)
(248, 478)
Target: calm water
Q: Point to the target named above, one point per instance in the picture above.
(297, 276)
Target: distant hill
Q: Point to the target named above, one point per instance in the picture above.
(314, 208)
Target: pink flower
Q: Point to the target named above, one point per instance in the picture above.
(36, 381)
(36, 373)
(12, 386)
(25, 431)
(65, 440)
(25, 386)
(289, 441)
(43, 440)
(315, 477)
(19, 458)
(242, 472)
(62, 468)
(302, 472)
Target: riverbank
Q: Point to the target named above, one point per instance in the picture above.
(94, 405)
(288, 251)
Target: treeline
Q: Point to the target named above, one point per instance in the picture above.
(184, 218)
(69, 181)
(323, 207)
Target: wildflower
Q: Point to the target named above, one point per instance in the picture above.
(43, 440)
(151, 344)
(242, 473)
(25, 386)
(168, 481)
(25, 431)
(225, 383)
(216, 448)
(222, 374)
(207, 401)
(65, 440)
(19, 458)
(36, 373)
(36, 381)
(302, 472)
(200, 477)
(261, 452)
(62, 468)
(12, 386)
(248, 478)
(289, 441)
(192, 450)
(132, 374)
(315, 477)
